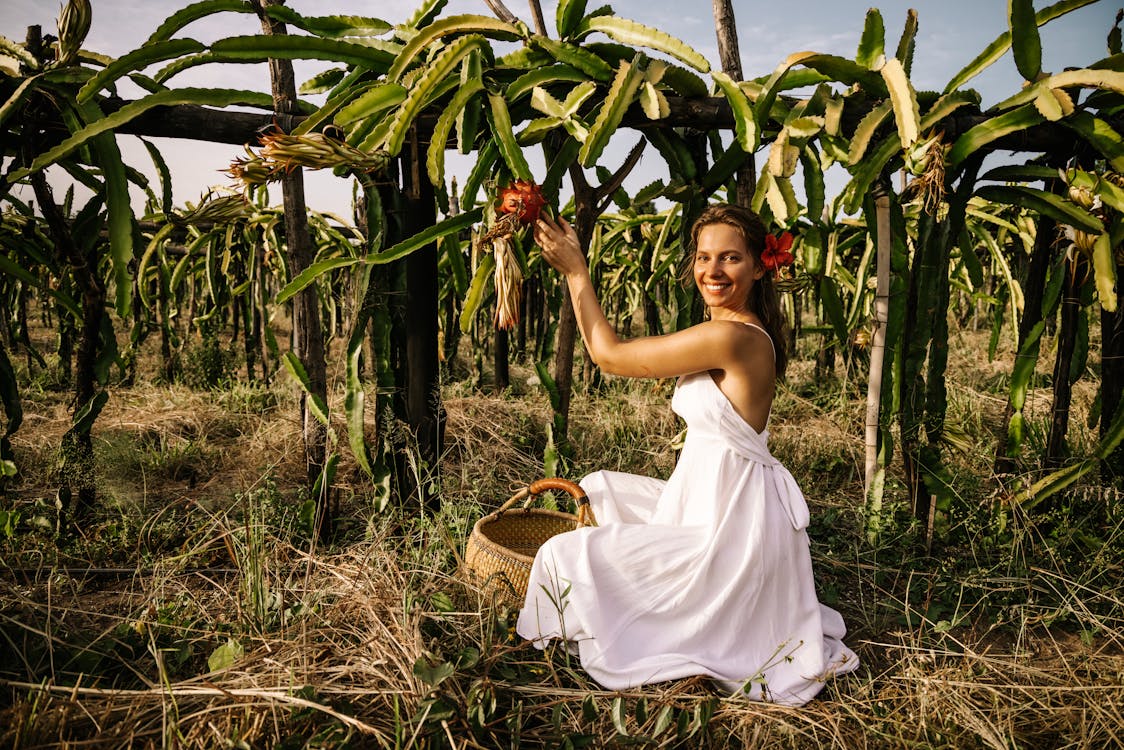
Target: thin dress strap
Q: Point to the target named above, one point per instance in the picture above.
(774, 346)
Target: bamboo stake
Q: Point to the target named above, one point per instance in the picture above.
(878, 347)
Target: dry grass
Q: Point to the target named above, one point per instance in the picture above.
(378, 643)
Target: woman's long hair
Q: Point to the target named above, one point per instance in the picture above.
(764, 300)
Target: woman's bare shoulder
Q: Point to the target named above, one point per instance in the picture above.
(746, 345)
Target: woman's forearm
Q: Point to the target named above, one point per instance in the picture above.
(599, 337)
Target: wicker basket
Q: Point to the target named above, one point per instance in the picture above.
(503, 544)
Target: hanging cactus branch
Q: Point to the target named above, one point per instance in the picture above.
(281, 153)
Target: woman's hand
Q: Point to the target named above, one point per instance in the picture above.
(560, 246)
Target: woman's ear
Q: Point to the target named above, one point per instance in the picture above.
(758, 270)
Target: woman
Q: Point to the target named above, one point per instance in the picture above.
(708, 573)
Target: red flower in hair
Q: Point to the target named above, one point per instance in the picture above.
(777, 253)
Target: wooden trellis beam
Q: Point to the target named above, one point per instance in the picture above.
(706, 113)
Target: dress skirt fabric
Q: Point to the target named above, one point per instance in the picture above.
(708, 573)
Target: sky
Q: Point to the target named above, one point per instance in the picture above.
(951, 33)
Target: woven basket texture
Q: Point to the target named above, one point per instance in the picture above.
(502, 547)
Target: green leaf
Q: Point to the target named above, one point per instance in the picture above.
(991, 130)
(468, 121)
(872, 43)
(783, 156)
(1025, 42)
(1059, 480)
(542, 101)
(421, 239)
(1104, 266)
(352, 85)
(568, 16)
(1043, 202)
(462, 24)
(722, 170)
(288, 47)
(119, 219)
(1100, 78)
(332, 27)
(194, 12)
(653, 102)
(867, 171)
(425, 13)
(17, 98)
(164, 174)
(316, 404)
(833, 309)
(684, 82)
(420, 93)
(675, 152)
(1101, 135)
(476, 291)
(904, 99)
(841, 69)
(908, 40)
(224, 656)
(837, 68)
(372, 101)
(536, 130)
(533, 79)
(745, 123)
(138, 59)
(85, 417)
(322, 82)
(451, 249)
(575, 57)
(997, 48)
(500, 119)
(814, 188)
(19, 52)
(638, 35)
(169, 97)
(946, 105)
(865, 131)
(619, 714)
(310, 275)
(432, 676)
(1019, 173)
(435, 161)
(620, 95)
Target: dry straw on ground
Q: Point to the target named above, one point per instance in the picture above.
(379, 644)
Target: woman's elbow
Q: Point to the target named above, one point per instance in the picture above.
(616, 364)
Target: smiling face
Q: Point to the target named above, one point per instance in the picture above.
(725, 270)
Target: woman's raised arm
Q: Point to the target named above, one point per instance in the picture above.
(714, 345)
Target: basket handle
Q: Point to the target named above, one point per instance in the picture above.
(539, 486)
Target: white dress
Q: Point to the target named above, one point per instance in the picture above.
(708, 573)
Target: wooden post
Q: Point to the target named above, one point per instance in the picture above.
(728, 54)
(424, 412)
(1067, 342)
(308, 333)
(1112, 381)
